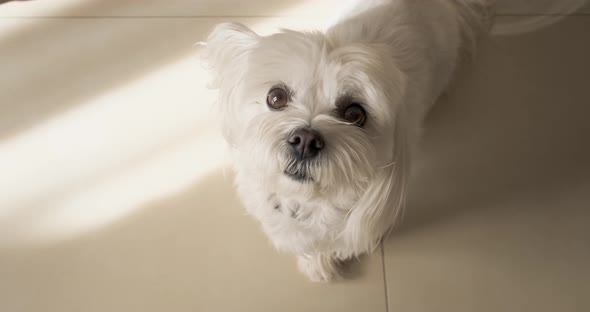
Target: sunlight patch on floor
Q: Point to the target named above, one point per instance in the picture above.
(100, 161)
(121, 194)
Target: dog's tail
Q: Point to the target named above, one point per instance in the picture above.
(480, 15)
(529, 23)
(477, 16)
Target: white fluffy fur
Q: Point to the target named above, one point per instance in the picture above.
(395, 57)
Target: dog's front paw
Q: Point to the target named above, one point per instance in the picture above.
(320, 268)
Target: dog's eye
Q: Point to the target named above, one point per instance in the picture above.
(355, 114)
(277, 98)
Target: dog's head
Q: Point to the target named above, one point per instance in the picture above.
(310, 113)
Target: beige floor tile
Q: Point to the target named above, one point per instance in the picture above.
(585, 9)
(497, 219)
(194, 251)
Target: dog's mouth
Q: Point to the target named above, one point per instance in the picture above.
(299, 171)
(299, 176)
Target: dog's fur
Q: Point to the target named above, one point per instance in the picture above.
(394, 57)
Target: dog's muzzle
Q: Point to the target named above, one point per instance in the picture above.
(305, 144)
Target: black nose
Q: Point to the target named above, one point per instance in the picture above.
(305, 143)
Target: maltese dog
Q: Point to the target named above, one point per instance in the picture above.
(322, 125)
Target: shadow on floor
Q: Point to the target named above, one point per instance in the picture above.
(513, 125)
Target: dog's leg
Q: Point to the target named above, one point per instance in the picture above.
(320, 267)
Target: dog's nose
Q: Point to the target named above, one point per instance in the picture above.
(305, 143)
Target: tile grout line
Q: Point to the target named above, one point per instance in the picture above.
(543, 14)
(244, 16)
(145, 16)
(384, 277)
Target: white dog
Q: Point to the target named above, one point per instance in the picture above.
(322, 125)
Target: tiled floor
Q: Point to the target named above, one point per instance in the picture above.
(109, 201)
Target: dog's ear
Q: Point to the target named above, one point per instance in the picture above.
(383, 201)
(226, 54)
(226, 51)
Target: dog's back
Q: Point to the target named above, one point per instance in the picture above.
(426, 36)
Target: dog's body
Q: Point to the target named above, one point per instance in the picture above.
(322, 125)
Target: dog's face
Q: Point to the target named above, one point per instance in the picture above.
(313, 120)
(303, 112)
